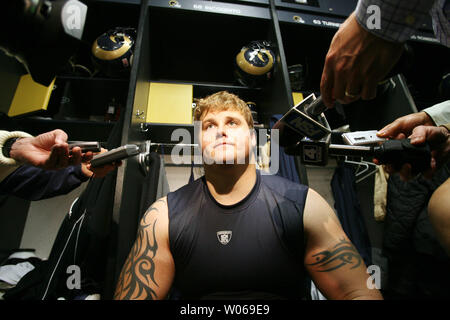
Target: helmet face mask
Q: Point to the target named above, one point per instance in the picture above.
(254, 64)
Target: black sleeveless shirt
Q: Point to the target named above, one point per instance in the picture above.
(240, 251)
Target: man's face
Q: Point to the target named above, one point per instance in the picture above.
(226, 138)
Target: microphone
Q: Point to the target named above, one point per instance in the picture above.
(304, 131)
(306, 119)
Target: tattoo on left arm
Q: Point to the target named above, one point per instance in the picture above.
(344, 253)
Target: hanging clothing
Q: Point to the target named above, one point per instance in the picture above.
(163, 183)
(380, 194)
(191, 175)
(315, 293)
(263, 162)
(287, 167)
(349, 212)
(150, 187)
(156, 185)
(17, 265)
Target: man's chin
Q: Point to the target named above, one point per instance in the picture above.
(217, 157)
(229, 161)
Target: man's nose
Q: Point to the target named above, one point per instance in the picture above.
(221, 131)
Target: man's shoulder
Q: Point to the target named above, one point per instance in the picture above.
(185, 194)
(284, 187)
(187, 188)
(275, 181)
(158, 207)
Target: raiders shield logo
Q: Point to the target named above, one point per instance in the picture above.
(224, 236)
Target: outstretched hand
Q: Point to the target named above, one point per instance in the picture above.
(404, 126)
(48, 151)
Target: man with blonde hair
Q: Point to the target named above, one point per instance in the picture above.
(237, 234)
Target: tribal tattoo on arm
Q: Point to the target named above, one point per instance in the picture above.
(138, 273)
(342, 254)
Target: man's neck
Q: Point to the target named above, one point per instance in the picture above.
(229, 184)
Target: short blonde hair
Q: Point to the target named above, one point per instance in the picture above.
(221, 101)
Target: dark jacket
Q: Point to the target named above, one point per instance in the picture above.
(417, 264)
(407, 227)
(31, 183)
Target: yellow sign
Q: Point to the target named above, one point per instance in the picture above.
(30, 96)
(298, 97)
(170, 103)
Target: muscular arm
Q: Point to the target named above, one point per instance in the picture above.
(333, 262)
(149, 269)
(439, 213)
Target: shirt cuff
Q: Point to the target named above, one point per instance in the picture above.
(439, 113)
(395, 20)
(447, 126)
(4, 136)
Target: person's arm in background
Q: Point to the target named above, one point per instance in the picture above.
(439, 113)
(331, 259)
(32, 183)
(48, 151)
(399, 19)
(439, 213)
(362, 53)
(436, 115)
